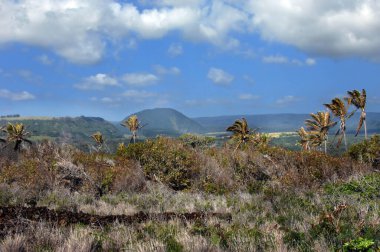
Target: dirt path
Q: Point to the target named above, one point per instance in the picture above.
(11, 216)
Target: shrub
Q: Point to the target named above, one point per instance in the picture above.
(197, 141)
(366, 151)
(166, 160)
(360, 244)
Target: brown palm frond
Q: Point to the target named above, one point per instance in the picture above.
(98, 138)
(359, 100)
(241, 132)
(339, 109)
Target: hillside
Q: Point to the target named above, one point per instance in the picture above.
(68, 129)
(166, 121)
(281, 122)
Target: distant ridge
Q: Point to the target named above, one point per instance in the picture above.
(281, 122)
(166, 121)
(73, 129)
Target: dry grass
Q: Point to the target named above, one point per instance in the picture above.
(279, 200)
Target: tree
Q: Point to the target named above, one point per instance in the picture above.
(17, 134)
(99, 140)
(359, 100)
(309, 139)
(241, 132)
(339, 109)
(320, 124)
(134, 125)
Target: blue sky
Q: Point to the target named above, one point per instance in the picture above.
(111, 58)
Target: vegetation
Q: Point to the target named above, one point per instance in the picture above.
(359, 100)
(16, 134)
(366, 151)
(339, 109)
(241, 133)
(190, 194)
(319, 126)
(133, 124)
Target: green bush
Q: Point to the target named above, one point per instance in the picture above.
(368, 187)
(166, 160)
(359, 244)
(366, 151)
(196, 141)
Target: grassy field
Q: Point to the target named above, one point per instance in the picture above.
(274, 199)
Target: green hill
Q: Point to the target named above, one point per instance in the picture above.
(166, 121)
(66, 129)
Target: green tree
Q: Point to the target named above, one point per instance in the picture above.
(359, 100)
(339, 109)
(133, 124)
(241, 132)
(320, 124)
(16, 134)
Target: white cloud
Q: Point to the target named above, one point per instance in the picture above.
(140, 79)
(97, 82)
(175, 50)
(161, 70)
(248, 97)
(44, 59)
(310, 61)
(61, 26)
(218, 76)
(24, 95)
(323, 27)
(279, 59)
(287, 100)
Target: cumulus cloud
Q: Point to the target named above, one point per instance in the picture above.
(323, 27)
(14, 96)
(140, 79)
(220, 77)
(175, 50)
(287, 100)
(161, 70)
(97, 82)
(60, 26)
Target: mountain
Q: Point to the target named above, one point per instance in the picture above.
(166, 121)
(75, 130)
(281, 122)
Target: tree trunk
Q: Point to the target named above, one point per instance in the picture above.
(365, 123)
(345, 139)
(326, 146)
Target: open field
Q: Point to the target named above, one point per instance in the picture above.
(164, 195)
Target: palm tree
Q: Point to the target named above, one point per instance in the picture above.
(305, 140)
(17, 134)
(241, 132)
(320, 123)
(339, 109)
(359, 100)
(99, 140)
(134, 125)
